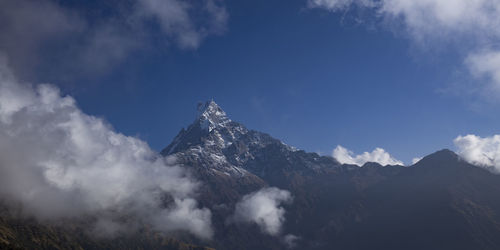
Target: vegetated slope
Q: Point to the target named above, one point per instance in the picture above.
(19, 232)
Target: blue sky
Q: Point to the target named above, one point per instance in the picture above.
(315, 74)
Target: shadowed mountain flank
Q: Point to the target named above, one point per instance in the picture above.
(442, 202)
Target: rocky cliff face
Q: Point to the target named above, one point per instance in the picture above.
(227, 147)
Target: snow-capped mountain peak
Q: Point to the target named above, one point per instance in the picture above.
(228, 148)
(211, 116)
(211, 128)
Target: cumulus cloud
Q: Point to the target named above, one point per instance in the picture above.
(471, 25)
(480, 151)
(94, 42)
(378, 155)
(58, 162)
(264, 208)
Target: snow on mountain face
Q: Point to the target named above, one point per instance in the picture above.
(214, 141)
(211, 129)
(211, 116)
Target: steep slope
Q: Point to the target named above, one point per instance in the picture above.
(225, 147)
(232, 161)
(442, 202)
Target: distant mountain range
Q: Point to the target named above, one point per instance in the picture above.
(441, 202)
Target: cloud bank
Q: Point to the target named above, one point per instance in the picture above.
(471, 26)
(480, 151)
(264, 208)
(57, 162)
(378, 155)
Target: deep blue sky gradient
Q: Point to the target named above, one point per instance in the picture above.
(308, 77)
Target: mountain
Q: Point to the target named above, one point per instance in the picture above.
(442, 202)
(225, 147)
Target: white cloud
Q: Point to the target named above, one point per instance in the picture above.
(480, 151)
(175, 19)
(470, 25)
(378, 155)
(290, 240)
(415, 160)
(486, 64)
(264, 208)
(335, 5)
(431, 17)
(184, 215)
(58, 162)
(438, 18)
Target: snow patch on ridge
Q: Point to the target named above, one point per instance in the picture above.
(211, 116)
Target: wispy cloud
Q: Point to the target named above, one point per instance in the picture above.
(175, 19)
(415, 160)
(94, 42)
(469, 26)
(431, 18)
(58, 162)
(486, 65)
(290, 240)
(378, 155)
